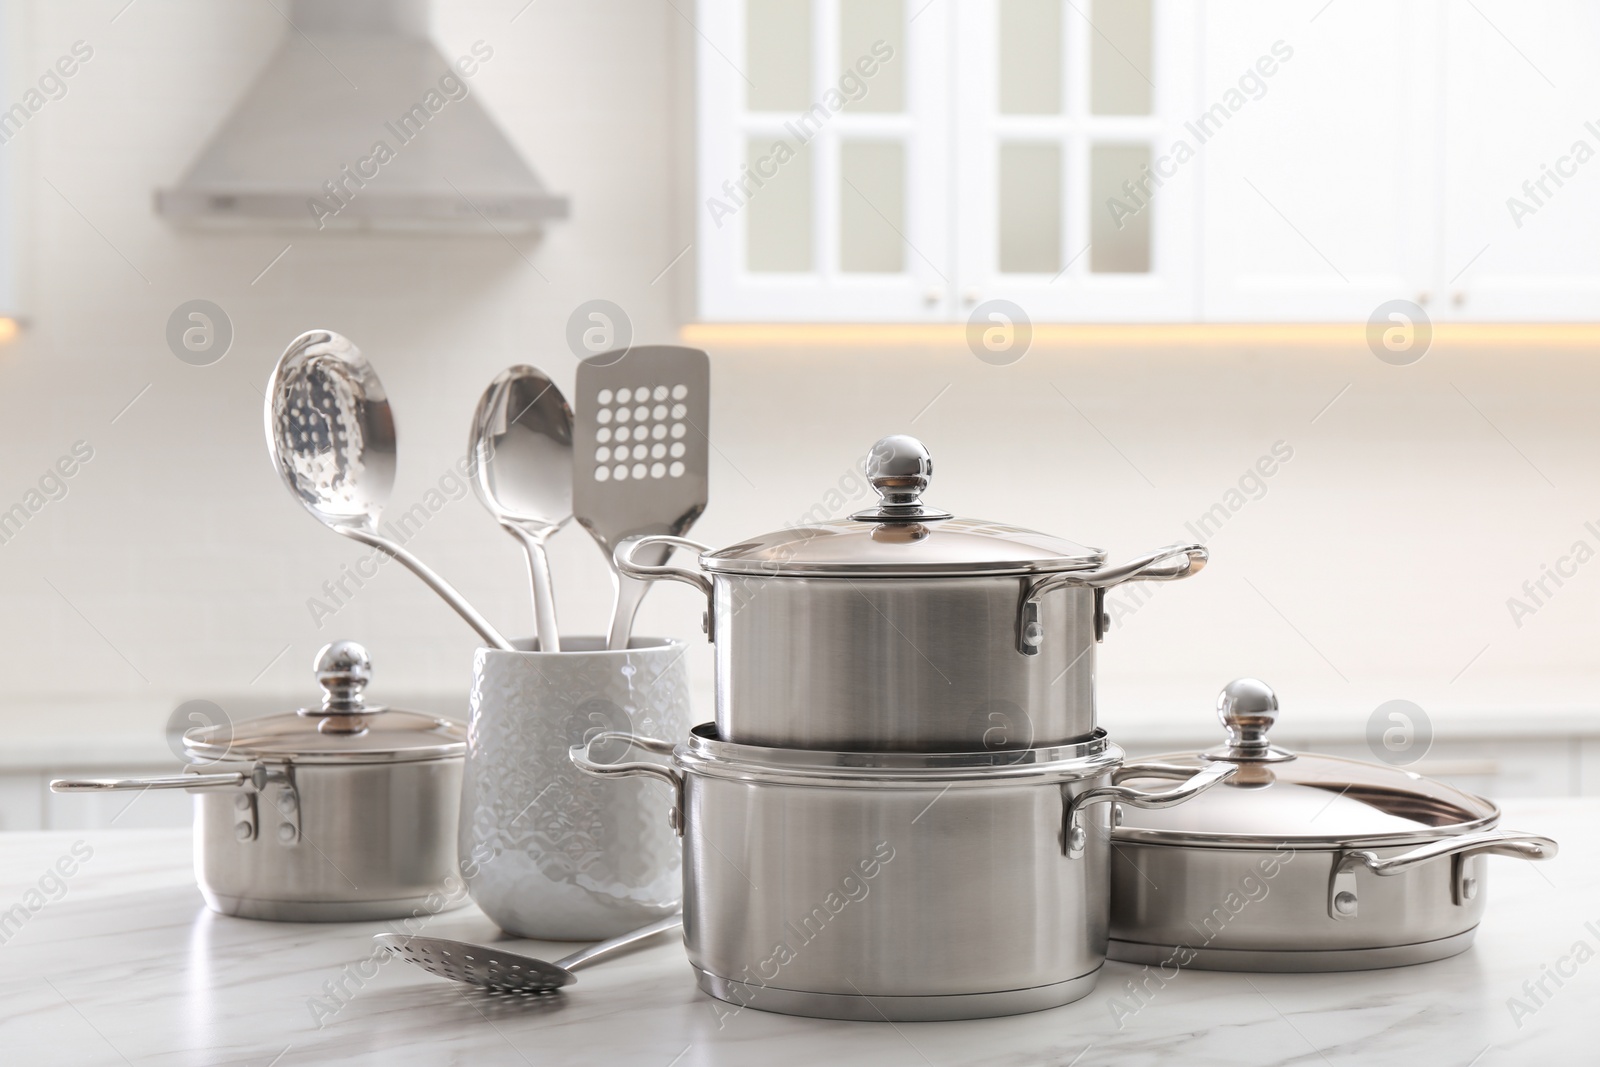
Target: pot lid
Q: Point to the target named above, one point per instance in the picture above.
(344, 729)
(1281, 797)
(901, 536)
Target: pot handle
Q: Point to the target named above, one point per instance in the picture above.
(1195, 783)
(636, 768)
(1163, 565)
(628, 547)
(171, 781)
(1343, 899)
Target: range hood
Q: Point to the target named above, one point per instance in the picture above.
(359, 122)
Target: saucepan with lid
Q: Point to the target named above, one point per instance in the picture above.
(341, 812)
(1301, 862)
(905, 628)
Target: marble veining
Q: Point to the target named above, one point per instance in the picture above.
(123, 964)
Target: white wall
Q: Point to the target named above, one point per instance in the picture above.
(177, 542)
(1390, 541)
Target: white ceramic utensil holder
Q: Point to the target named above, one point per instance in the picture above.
(546, 851)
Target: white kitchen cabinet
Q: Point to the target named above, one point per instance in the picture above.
(1520, 166)
(1385, 159)
(1301, 162)
(1317, 195)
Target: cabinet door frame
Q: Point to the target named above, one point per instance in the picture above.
(1169, 292)
(728, 291)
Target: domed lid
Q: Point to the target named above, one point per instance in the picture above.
(344, 729)
(902, 536)
(1302, 799)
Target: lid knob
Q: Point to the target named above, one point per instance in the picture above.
(1248, 707)
(343, 670)
(899, 468)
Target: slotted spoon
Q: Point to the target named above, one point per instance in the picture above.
(331, 437)
(500, 971)
(639, 456)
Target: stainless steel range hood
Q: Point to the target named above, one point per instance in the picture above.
(359, 122)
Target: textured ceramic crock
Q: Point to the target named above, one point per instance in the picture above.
(546, 851)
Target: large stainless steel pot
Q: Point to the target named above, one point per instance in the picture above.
(891, 885)
(336, 813)
(903, 628)
(1301, 862)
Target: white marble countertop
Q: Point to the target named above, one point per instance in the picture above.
(120, 963)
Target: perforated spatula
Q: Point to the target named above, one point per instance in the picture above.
(639, 453)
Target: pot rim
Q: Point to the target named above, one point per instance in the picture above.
(706, 755)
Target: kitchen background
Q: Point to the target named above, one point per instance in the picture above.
(1420, 489)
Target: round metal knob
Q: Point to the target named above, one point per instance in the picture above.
(899, 468)
(1248, 707)
(343, 670)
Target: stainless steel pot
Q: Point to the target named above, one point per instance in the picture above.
(337, 813)
(903, 628)
(891, 885)
(1301, 862)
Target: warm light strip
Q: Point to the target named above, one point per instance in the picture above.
(885, 335)
(8, 329)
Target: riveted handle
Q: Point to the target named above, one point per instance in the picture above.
(585, 762)
(172, 781)
(1343, 895)
(627, 563)
(1163, 565)
(1195, 783)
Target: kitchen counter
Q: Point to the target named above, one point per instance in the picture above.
(120, 962)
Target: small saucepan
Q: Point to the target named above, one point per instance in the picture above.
(338, 813)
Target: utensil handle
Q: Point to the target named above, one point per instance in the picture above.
(626, 559)
(624, 607)
(173, 781)
(1197, 782)
(581, 758)
(544, 593)
(446, 591)
(618, 945)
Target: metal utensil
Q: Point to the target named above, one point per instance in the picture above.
(500, 971)
(639, 456)
(522, 458)
(331, 437)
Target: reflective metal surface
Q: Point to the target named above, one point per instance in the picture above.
(332, 440)
(641, 455)
(493, 968)
(816, 887)
(1308, 799)
(337, 813)
(521, 446)
(1299, 861)
(901, 630)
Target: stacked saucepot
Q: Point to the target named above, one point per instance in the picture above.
(337, 813)
(902, 808)
(1301, 862)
